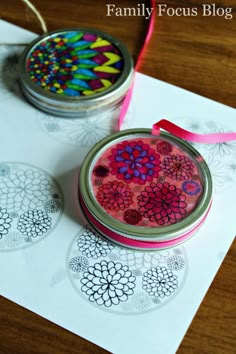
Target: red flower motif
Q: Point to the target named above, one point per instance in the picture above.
(101, 171)
(164, 148)
(162, 203)
(114, 196)
(132, 216)
(134, 161)
(177, 167)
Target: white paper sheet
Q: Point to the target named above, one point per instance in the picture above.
(42, 268)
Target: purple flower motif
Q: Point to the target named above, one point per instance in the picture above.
(134, 162)
(191, 187)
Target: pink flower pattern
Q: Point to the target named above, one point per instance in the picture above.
(162, 203)
(114, 196)
(177, 167)
(146, 182)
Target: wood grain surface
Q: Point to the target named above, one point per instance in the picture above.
(196, 53)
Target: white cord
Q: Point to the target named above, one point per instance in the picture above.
(37, 13)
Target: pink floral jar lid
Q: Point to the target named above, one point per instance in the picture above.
(145, 187)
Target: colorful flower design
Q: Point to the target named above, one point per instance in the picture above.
(114, 196)
(177, 167)
(92, 245)
(159, 282)
(134, 161)
(132, 216)
(75, 63)
(191, 187)
(108, 283)
(101, 171)
(164, 148)
(162, 203)
(34, 223)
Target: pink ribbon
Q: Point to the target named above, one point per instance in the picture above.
(174, 129)
(128, 97)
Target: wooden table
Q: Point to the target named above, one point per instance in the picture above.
(195, 53)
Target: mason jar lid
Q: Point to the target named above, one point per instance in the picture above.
(74, 72)
(153, 190)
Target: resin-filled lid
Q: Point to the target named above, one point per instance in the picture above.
(81, 65)
(146, 187)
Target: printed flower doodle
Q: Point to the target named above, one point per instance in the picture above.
(140, 260)
(177, 167)
(159, 282)
(108, 283)
(25, 189)
(78, 264)
(53, 206)
(114, 196)
(175, 263)
(191, 187)
(92, 245)
(132, 216)
(34, 223)
(220, 149)
(134, 161)
(162, 203)
(5, 222)
(53, 127)
(86, 132)
(14, 240)
(4, 170)
(141, 301)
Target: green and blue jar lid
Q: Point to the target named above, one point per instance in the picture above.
(144, 191)
(75, 72)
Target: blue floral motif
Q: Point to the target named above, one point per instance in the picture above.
(191, 187)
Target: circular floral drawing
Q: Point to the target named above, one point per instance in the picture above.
(31, 203)
(84, 132)
(122, 280)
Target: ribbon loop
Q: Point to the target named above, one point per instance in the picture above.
(128, 97)
(174, 129)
